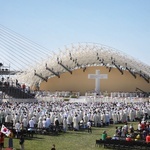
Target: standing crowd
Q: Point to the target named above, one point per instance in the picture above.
(43, 115)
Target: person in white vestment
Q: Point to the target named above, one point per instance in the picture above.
(114, 116)
(69, 120)
(98, 119)
(102, 119)
(25, 123)
(48, 121)
(30, 114)
(21, 117)
(35, 119)
(85, 120)
(31, 128)
(75, 123)
(16, 118)
(89, 127)
(52, 117)
(18, 128)
(95, 119)
(40, 124)
(131, 115)
(8, 118)
(56, 124)
(125, 117)
(31, 123)
(65, 125)
(44, 123)
(107, 119)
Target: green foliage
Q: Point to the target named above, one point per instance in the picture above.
(66, 99)
(74, 96)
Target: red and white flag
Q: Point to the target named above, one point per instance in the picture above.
(5, 131)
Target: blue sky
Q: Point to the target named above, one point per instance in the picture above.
(121, 24)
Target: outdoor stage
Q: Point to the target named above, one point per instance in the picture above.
(84, 99)
(80, 99)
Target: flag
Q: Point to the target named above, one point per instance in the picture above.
(5, 131)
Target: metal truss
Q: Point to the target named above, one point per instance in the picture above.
(83, 55)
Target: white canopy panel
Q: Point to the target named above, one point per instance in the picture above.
(77, 56)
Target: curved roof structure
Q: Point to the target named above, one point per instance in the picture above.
(83, 55)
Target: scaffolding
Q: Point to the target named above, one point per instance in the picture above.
(4, 80)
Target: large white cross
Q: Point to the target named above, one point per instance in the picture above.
(97, 78)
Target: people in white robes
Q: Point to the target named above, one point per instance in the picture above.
(65, 125)
(75, 122)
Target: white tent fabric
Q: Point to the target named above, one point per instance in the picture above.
(84, 55)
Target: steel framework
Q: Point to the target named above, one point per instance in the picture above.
(83, 55)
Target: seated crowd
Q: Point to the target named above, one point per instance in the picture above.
(128, 133)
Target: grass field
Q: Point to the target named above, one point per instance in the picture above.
(72, 140)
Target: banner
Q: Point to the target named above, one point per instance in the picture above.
(5, 131)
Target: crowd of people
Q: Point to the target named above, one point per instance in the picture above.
(43, 115)
(128, 132)
(8, 82)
